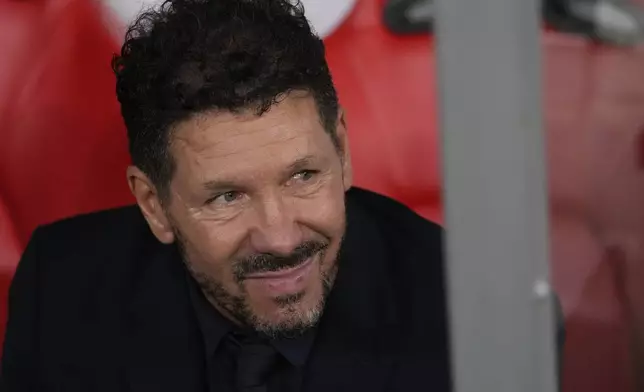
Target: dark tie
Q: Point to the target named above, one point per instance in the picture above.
(255, 360)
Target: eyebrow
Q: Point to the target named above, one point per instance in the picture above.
(223, 185)
(301, 163)
(217, 185)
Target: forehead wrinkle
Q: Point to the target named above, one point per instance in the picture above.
(242, 151)
(285, 117)
(215, 136)
(246, 169)
(254, 171)
(212, 149)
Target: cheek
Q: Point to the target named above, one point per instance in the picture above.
(210, 250)
(326, 220)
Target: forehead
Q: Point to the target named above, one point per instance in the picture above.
(235, 144)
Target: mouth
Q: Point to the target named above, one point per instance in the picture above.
(285, 282)
(286, 273)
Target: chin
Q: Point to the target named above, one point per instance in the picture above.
(291, 313)
(290, 316)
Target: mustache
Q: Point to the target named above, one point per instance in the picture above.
(267, 262)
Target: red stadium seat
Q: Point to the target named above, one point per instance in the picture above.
(63, 149)
(64, 144)
(10, 249)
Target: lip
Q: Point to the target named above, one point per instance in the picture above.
(288, 273)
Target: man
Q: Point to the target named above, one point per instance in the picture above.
(250, 263)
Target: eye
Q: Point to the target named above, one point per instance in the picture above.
(225, 198)
(304, 175)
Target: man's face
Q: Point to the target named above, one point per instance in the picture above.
(257, 206)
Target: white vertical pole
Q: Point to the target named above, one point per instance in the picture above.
(496, 197)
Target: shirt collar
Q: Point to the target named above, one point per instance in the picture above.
(296, 350)
(214, 327)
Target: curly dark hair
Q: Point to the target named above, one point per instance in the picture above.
(191, 56)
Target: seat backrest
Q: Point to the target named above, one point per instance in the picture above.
(64, 147)
(10, 249)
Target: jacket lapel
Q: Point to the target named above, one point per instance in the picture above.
(356, 340)
(163, 340)
(348, 363)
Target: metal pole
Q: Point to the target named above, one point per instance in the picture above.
(496, 197)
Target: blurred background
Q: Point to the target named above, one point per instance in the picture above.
(63, 147)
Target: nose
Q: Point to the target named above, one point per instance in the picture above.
(276, 230)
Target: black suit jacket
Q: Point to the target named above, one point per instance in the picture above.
(98, 304)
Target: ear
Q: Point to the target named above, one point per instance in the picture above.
(149, 202)
(345, 152)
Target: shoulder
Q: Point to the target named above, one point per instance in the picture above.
(408, 234)
(95, 225)
(94, 234)
(388, 210)
(85, 258)
(409, 247)
(71, 286)
(413, 271)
